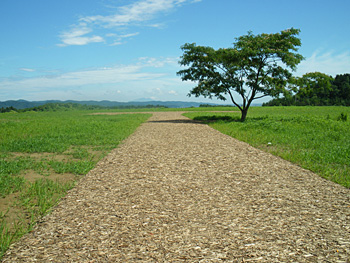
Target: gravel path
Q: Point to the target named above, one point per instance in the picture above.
(179, 191)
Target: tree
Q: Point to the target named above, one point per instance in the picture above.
(315, 88)
(256, 66)
(341, 87)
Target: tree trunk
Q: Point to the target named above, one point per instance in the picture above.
(244, 114)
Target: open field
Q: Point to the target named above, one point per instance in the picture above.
(42, 155)
(177, 190)
(316, 138)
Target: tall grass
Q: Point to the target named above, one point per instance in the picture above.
(316, 138)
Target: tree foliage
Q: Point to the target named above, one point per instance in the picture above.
(317, 89)
(256, 66)
(7, 109)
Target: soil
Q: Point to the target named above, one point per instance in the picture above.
(10, 208)
(180, 191)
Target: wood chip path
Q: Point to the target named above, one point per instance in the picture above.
(179, 191)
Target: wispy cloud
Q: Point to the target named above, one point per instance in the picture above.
(173, 92)
(328, 63)
(118, 39)
(147, 77)
(143, 70)
(78, 78)
(137, 12)
(27, 69)
(125, 16)
(158, 62)
(77, 36)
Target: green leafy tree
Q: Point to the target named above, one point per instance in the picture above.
(315, 88)
(341, 87)
(256, 66)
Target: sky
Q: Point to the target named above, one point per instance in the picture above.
(126, 50)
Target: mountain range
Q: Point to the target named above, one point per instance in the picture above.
(23, 104)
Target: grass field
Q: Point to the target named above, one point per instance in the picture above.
(316, 138)
(43, 154)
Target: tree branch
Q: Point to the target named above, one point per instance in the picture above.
(262, 96)
(233, 100)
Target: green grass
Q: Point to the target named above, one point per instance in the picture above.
(34, 146)
(74, 167)
(10, 235)
(316, 138)
(41, 195)
(218, 108)
(55, 132)
(72, 142)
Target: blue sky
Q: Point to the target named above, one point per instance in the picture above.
(124, 50)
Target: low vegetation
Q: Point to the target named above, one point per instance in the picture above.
(315, 138)
(43, 154)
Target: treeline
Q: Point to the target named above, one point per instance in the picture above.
(52, 107)
(213, 106)
(316, 89)
(148, 106)
(7, 109)
(71, 106)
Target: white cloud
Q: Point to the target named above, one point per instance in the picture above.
(158, 62)
(77, 36)
(27, 69)
(328, 63)
(159, 25)
(116, 43)
(141, 71)
(132, 14)
(157, 90)
(119, 38)
(145, 78)
(173, 92)
(129, 35)
(137, 12)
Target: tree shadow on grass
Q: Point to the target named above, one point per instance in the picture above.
(189, 121)
(215, 118)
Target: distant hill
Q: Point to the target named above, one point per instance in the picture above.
(23, 104)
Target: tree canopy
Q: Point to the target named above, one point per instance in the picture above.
(256, 66)
(317, 89)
